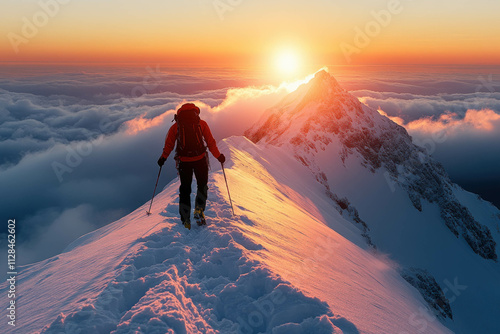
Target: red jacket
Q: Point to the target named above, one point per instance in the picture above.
(172, 137)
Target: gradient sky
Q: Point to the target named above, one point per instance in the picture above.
(250, 33)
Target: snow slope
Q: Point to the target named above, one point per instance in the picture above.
(278, 266)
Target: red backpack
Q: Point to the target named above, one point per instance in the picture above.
(190, 141)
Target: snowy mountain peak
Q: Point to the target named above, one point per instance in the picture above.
(310, 103)
(320, 106)
(323, 84)
(331, 132)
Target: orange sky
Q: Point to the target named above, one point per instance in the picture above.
(250, 33)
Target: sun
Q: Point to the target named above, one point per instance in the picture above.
(288, 62)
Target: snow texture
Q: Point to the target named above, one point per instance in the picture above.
(276, 267)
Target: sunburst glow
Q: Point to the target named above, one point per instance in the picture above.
(288, 62)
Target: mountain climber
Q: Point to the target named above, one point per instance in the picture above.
(190, 134)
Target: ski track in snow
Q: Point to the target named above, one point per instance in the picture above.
(199, 281)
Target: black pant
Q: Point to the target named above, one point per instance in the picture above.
(186, 169)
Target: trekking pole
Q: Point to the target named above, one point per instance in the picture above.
(154, 191)
(230, 201)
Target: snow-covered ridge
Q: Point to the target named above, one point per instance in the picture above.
(276, 267)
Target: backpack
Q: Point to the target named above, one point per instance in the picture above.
(189, 135)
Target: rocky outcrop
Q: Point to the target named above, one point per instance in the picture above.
(430, 290)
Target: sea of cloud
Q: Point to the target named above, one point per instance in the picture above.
(72, 149)
(73, 139)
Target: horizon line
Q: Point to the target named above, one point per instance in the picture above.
(194, 65)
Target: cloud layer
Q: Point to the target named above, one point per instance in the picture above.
(72, 148)
(73, 156)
